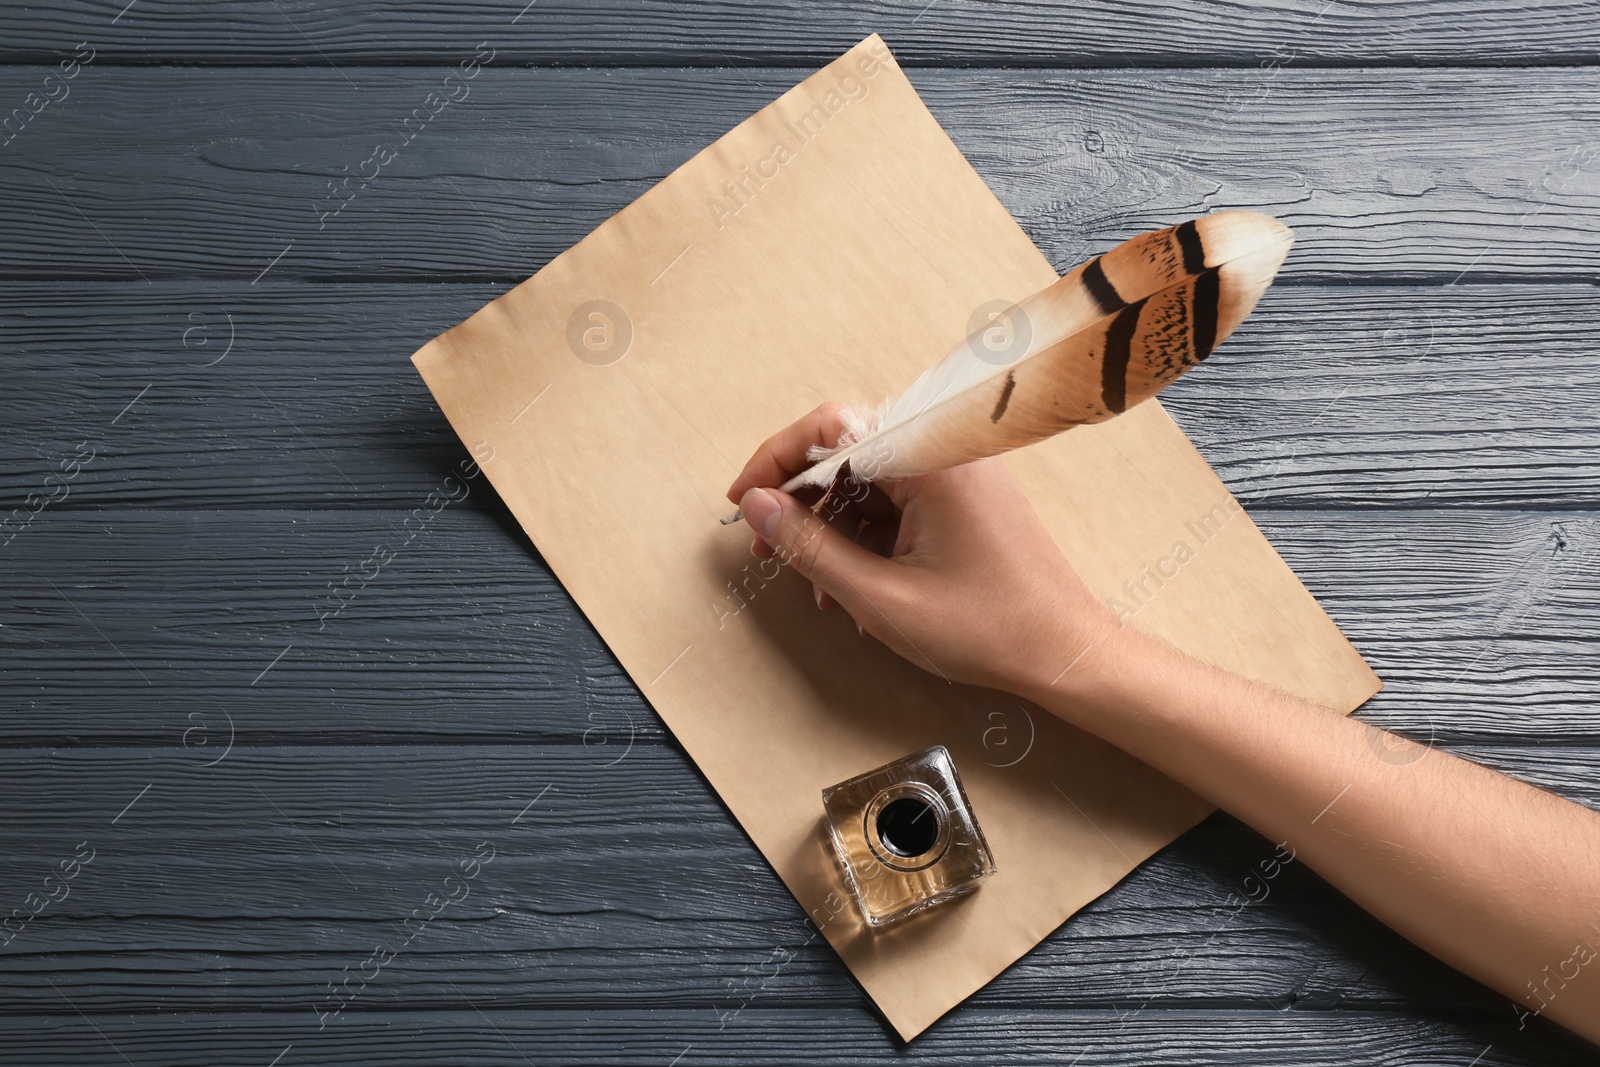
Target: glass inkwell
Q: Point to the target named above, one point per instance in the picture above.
(906, 837)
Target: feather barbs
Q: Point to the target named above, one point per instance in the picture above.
(1109, 334)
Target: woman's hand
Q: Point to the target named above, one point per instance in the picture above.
(953, 570)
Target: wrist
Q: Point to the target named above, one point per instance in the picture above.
(1079, 665)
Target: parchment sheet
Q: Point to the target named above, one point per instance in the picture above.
(831, 247)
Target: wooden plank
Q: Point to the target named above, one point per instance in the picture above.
(483, 1033)
(1409, 174)
(609, 887)
(626, 919)
(604, 957)
(953, 32)
(1471, 396)
(123, 623)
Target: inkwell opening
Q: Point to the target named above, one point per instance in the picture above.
(908, 826)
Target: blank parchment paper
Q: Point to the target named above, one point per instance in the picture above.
(831, 247)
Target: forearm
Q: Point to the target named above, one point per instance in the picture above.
(1493, 876)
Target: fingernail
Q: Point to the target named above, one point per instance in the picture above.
(762, 510)
(859, 631)
(817, 591)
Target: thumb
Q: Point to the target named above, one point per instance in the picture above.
(844, 570)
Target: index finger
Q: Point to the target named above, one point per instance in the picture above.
(783, 455)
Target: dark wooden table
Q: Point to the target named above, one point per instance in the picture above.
(223, 799)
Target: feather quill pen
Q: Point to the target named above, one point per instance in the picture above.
(1102, 338)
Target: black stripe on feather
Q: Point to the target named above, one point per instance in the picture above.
(1105, 294)
(1194, 249)
(1119, 348)
(1207, 294)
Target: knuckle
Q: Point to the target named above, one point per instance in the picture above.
(830, 409)
(805, 546)
(830, 419)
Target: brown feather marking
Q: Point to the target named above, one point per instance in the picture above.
(1164, 353)
(1161, 256)
(1005, 396)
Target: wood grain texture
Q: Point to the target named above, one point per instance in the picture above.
(122, 624)
(166, 172)
(251, 884)
(482, 1033)
(1392, 396)
(1419, 441)
(948, 32)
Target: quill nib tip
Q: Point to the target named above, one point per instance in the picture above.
(731, 519)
